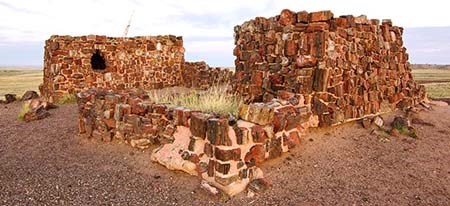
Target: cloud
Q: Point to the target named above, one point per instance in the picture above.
(207, 26)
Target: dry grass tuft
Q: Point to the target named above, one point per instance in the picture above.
(214, 100)
(25, 109)
(66, 99)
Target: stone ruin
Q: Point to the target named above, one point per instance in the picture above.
(343, 68)
(295, 70)
(74, 64)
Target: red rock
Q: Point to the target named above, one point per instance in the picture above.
(255, 156)
(292, 121)
(110, 123)
(159, 108)
(302, 17)
(181, 116)
(317, 27)
(227, 155)
(283, 94)
(211, 167)
(259, 134)
(320, 16)
(279, 122)
(217, 131)
(287, 17)
(291, 48)
(198, 124)
(257, 78)
(292, 140)
(241, 134)
(138, 109)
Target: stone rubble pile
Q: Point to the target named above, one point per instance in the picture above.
(38, 109)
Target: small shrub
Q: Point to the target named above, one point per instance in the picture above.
(66, 99)
(402, 129)
(215, 100)
(405, 130)
(25, 109)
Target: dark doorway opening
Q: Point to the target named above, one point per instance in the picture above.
(97, 61)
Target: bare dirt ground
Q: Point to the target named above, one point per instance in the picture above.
(46, 163)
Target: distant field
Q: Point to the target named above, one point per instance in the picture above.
(19, 81)
(436, 79)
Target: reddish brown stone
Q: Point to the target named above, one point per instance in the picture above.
(275, 149)
(181, 117)
(227, 155)
(291, 140)
(223, 168)
(217, 131)
(283, 94)
(302, 17)
(138, 109)
(292, 121)
(198, 124)
(320, 16)
(287, 17)
(159, 108)
(150, 130)
(110, 123)
(211, 167)
(208, 150)
(255, 156)
(291, 48)
(279, 122)
(259, 135)
(317, 27)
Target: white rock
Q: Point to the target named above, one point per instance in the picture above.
(209, 188)
(378, 121)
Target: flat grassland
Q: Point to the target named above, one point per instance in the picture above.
(436, 79)
(18, 81)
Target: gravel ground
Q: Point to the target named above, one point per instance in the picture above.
(46, 163)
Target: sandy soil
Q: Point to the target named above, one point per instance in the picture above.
(47, 163)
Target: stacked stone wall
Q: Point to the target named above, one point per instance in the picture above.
(347, 67)
(224, 150)
(146, 62)
(200, 75)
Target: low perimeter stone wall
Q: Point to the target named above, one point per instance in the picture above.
(223, 150)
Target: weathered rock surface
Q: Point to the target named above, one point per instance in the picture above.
(10, 98)
(29, 95)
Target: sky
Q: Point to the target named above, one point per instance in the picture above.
(206, 25)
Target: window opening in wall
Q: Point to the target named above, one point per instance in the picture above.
(97, 61)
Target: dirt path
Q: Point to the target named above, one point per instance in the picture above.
(46, 163)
